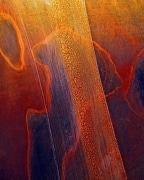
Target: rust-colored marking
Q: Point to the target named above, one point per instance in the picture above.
(23, 89)
(8, 18)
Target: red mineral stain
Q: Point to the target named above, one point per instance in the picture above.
(24, 87)
(125, 74)
(67, 157)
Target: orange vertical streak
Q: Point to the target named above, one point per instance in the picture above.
(92, 115)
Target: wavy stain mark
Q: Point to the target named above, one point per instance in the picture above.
(20, 93)
(112, 80)
(70, 152)
(118, 34)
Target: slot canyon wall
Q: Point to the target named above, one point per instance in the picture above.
(71, 90)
